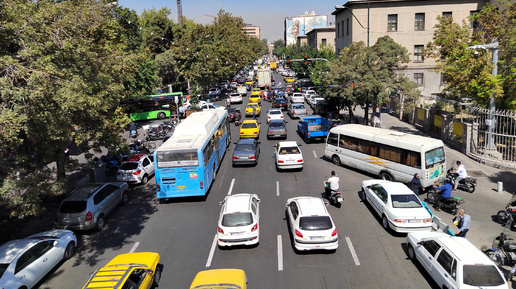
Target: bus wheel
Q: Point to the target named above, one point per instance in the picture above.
(386, 176)
(161, 115)
(336, 160)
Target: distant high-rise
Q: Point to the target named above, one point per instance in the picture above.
(300, 25)
(252, 30)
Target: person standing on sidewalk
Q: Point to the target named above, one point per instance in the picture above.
(463, 224)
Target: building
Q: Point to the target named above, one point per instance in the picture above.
(409, 22)
(252, 30)
(299, 25)
(319, 36)
(302, 40)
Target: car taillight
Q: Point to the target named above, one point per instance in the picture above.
(202, 186)
(300, 160)
(118, 173)
(219, 229)
(299, 234)
(308, 134)
(241, 132)
(334, 233)
(232, 115)
(268, 117)
(281, 116)
(254, 228)
(270, 131)
(428, 220)
(89, 216)
(280, 161)
(255, 132)
(400, 220)
(158, 187)
(253, 157)
(137, 172)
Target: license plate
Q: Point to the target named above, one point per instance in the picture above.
(181, 187)
(236, 233)
(339, 199)
(290, 161)
(316, 238)
(414, 221)
(244, 157)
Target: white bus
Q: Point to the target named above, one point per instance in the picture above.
(392, 155)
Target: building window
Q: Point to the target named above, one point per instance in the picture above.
(323, 41)
(447, 15)
(473, 24)
(392, 22)
(338, 29)
(418, 53)
(342, 30)
(419, 22)
(347, 26)
(418, 78)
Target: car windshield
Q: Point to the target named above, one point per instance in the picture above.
(3, 267)
(276, 124)
(289, 150)
(237, 219)
(249, 125)
(313, 223)
(128, 166)
(244, 148)
(482, 275)
(68, 207)
(405, 201)
(434, 157)
(275, 112)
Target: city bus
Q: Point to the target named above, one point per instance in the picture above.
(391, 155)
(187, 163)
(156, 106)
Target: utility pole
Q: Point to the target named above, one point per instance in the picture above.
(179, 13)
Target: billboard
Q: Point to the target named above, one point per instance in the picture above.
(300, 25)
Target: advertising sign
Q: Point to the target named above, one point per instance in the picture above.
(300, 25)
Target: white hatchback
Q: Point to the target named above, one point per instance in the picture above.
(239, 220)
(311, 225)
(398, 206)
(288, 155)
(235, 98)
(136, 170)
(274, 113)
(297, 97)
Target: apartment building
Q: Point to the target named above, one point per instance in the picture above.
(251, 30)
(319, 36)
(409, 22)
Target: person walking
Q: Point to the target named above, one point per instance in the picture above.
(377, 120)
(415, 184)
(463, 224)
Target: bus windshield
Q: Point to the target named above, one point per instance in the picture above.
(434, 157)
(179, 158)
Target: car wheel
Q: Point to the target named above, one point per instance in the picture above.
(124, 198)
(157, 275)
(502, 217)
(100, 223)
(336, 160)
(410, 252)
(387, 176)
(69, 251)
(161, 115)
(385, 222)
(145, 179)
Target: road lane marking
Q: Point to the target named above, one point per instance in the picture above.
(212, 251)
(315, 156)
(352, 250)
(280, 254)
(231, 187)
(134, 247)
(277, 188)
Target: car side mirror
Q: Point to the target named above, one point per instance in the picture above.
(421, 243)
(221, 203)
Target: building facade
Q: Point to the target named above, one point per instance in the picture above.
(251, 30)
(409, 22)
(299, 25)
(319, 36)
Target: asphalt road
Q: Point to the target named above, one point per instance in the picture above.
(183, 231)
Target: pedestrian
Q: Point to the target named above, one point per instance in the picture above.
(415, 184)
(254, 112)
(377, 120)
(463, 224)
(181, 112)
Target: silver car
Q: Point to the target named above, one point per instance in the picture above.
(295, 110)
(87, 206)
(247, 152)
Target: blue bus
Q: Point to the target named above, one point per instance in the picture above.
(187, 163)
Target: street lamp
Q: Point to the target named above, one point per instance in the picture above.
(491, 122)
(351, 11)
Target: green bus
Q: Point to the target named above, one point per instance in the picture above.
(156, 106)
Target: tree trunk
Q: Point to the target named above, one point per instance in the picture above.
(61, 161)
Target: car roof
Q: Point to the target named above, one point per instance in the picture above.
(83, 192)
(396, 188)
(287, 143)
(276, 120)
(246, 141)
(311, 206)
(135, 158)
(237, 203)
(12, 249)
(250, 121)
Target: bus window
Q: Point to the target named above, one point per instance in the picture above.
(367, 147)
(390, 153)
(412, 159)
(349, 143)
(434, 157)
(170, 159)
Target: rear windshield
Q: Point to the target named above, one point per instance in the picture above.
(276, 124)
(181, 158)
(237, 219)
(405, 201)
(3, 267)
(244, 148)
(482, 275)
(72, 207)
(298, 106)
(249, 125)
(315, 223)
(280, 100)
(289, 150)
(127, 166)
(275, 112)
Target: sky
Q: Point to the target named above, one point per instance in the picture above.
(268, 14)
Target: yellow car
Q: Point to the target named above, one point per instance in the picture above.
(250, 129)
(220, 278)
(255, 97)
(249, 82)
(289, 79)
(257, 90)
(131, 271)
(249, 109)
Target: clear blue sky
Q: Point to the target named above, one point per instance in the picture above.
(267, 14)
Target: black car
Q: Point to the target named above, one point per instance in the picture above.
(277, 129)
(280, 103)
(233, 114)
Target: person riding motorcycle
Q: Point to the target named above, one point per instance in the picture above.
(332, 184)
(445, 194)
(459, 174)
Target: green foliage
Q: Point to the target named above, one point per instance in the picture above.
(145, 79)
(157, 30)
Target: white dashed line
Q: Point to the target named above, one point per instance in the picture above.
(315, 156)
(277, 188)
(280, 254)
(134, 247)
(212, 251)
(231, 187)
(352, 250)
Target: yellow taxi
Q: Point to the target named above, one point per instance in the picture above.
(249, 82)
(250, 129)
(256, 98)
(230, 278)
(133, 270)
(256, 90)
(249, 108)
(289, 79)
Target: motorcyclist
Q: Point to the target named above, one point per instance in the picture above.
(332, 184)
(460, 173)
(445, 194)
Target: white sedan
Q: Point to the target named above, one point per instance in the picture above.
(397, 205)
(24, 262)
(235, 98)
(274, 113)
(288, 155)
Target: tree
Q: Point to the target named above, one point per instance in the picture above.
(157, 30)
(62, 69)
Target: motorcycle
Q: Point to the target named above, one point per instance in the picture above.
(238, 116)
(112, 163)
(132, 130)
(451, 205)
(468, 184)
(503, 251)
(139, 147)
(335, 198)
(503, 216)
